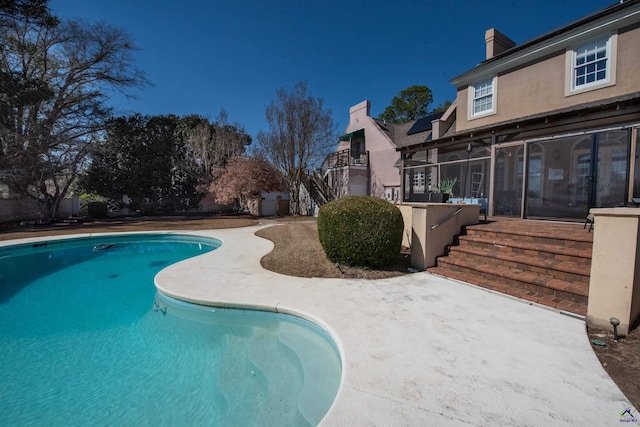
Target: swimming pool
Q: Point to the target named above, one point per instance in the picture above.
(87, 341)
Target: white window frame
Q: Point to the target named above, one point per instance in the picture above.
(493, 97)
(611, 46)
(419, 181)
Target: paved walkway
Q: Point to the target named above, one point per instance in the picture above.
(420, 349)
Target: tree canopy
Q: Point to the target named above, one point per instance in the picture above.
(301, 134)
(144, 158)
(168, 160)
(442, 107)
(56, 78)
(30, 10)
(411, 103)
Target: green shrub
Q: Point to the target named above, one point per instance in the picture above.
(91, 197)
(360, 231)
(97, 210)
(147, 209)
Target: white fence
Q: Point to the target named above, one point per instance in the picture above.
(27, 209)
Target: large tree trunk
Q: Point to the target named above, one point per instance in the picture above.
(294, 197)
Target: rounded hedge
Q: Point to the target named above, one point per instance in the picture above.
(147, 209)
(360, 231)
(97, 210)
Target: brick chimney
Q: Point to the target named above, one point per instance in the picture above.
(497, 42)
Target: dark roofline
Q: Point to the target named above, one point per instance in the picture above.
(565, 28)
(628, 101)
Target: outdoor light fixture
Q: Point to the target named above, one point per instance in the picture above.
(615, 322)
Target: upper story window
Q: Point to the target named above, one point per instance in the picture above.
(592, 64)
(483, 97)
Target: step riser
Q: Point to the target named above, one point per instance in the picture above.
(578, 260)
(579, 308)
(519, 280)
(561, 295)
(547, 240)
(469, 258)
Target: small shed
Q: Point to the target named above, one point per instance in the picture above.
(275, 203)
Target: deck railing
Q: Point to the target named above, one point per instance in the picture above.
(345, 158)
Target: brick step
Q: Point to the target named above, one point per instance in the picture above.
(543, 239)
(565, 270)
(540, 295)
(564, 235)
(543, 262)
(540, 250)
(572, 291)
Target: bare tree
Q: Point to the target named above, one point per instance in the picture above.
(301, 133)
(56, 79)
(213, 144)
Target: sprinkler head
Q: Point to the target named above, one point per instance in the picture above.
(615, 322)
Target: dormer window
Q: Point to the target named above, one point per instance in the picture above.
(592, 64)
(483, 98)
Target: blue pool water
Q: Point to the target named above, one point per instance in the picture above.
(81, 344)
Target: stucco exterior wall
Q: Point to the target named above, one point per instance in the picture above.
(339, 181)
(433, 227)
(358, 180)
(614, 286)
(382, 151)
(383, 173)
(540, 86)
(406, 210)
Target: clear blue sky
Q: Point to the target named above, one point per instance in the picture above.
(204, 55)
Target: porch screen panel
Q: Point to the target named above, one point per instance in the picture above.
(450, 154)
(636, 175)
(611, 172)
(558, 178)
(418, 175)
(454, 171)
(477, 178)
(453, 162)
(507, 191)
(418, 182)
(569, 176)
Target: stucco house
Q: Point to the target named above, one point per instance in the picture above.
(366, 161)
(544, 130)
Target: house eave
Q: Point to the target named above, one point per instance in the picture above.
(611, 110)
(613, 17)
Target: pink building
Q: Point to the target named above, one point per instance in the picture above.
(367, 160)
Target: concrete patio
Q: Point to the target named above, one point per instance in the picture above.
(419, 349)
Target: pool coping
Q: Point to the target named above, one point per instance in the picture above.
(416, 349)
